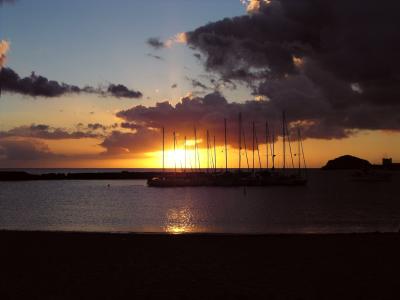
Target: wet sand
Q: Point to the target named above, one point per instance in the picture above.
(54, 265)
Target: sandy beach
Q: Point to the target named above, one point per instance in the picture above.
(56, 265)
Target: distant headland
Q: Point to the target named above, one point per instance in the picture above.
(349, 162)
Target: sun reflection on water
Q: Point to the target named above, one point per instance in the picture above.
(179, 220)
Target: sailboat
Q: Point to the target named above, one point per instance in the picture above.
(292, 177)
(257, 177)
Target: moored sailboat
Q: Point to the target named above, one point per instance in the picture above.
(239, 177)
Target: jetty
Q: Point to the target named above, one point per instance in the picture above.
(13, 175)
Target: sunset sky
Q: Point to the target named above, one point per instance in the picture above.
(90, 83)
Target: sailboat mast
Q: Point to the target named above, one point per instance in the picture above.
(240, 140)
(185, 153)
(180, 160)
(273, 149)
(298, 148)
(226, 150)
(198, 154)
(245, 150)
(215, 156)
(175, 151)
(254, 137)
(303, 156)
(195, 148)
(290, 146)
(284, 139)
(163, 149)
(267, 141)
(258, 150)
(208, 152)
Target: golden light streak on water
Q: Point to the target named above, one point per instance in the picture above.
(179, 221)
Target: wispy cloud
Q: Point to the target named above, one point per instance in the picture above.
(155, 56)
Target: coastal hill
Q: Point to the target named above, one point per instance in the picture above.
(347, 162)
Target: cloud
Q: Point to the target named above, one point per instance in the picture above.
(121, 91)
(47, 132)
(180, 38)
(96, 126)
(197, 55)
(39, 86)
(254, 6)
(308, 56)
(206, 112)
(155, 56)
(4, 47)
(25, 150)
(156, 43)
(33, 85)
(142, 140)
(131, 126)
(209, 112)
(197, 84)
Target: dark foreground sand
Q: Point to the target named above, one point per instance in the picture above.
(104, 266)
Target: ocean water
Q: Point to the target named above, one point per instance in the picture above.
(330, 203)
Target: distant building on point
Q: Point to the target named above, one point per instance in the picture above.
(387, 163)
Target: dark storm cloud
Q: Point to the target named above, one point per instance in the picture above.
(46, 132)
(307, 56)
(121, 91)
(156, 43)
(39, 86)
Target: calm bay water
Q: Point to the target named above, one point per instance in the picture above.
(330, 203)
